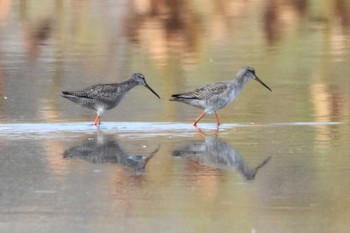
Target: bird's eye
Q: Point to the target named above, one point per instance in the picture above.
(251, 70)
(140, 76)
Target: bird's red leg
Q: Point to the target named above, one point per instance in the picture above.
(199, 118)
(217, 119)
(97, 121)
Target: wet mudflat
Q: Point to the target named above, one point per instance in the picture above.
(241, 178)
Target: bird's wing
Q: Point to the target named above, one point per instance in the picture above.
(94, 92)
(203, 92)
(78, 94)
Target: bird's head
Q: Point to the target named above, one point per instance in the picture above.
(141, 80)
(248, 73)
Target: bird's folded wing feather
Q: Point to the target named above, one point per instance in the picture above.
(79, 94)
(94, 92)
(203, 92)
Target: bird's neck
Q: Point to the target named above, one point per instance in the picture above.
(240, 82)
(128, 84)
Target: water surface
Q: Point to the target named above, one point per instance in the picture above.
(279, 163)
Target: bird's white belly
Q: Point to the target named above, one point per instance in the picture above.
(100, 111)
(220, 102)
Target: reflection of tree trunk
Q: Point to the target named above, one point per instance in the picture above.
(342, 11)
(280, 14)
(175, 20)
(326, 102)
(271, 21)
(300, 6)
(164, 28)
(34, 33)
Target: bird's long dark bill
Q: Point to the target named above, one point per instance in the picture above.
(262, 83)
(149, 88)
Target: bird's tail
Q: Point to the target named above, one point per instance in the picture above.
(174, 97)
(182, 96)
(65, 93)
(70, 96)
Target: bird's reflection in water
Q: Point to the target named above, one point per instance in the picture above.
(216, 153)
(106, 149)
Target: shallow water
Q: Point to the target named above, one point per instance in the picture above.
(278, 163)
(171, 176)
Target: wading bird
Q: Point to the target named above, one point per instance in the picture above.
(103, 97)
(215, 96)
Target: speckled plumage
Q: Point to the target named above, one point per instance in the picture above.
(103, 97)
(215, 96)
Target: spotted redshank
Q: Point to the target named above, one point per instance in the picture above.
(215, 96)
(103, 97)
